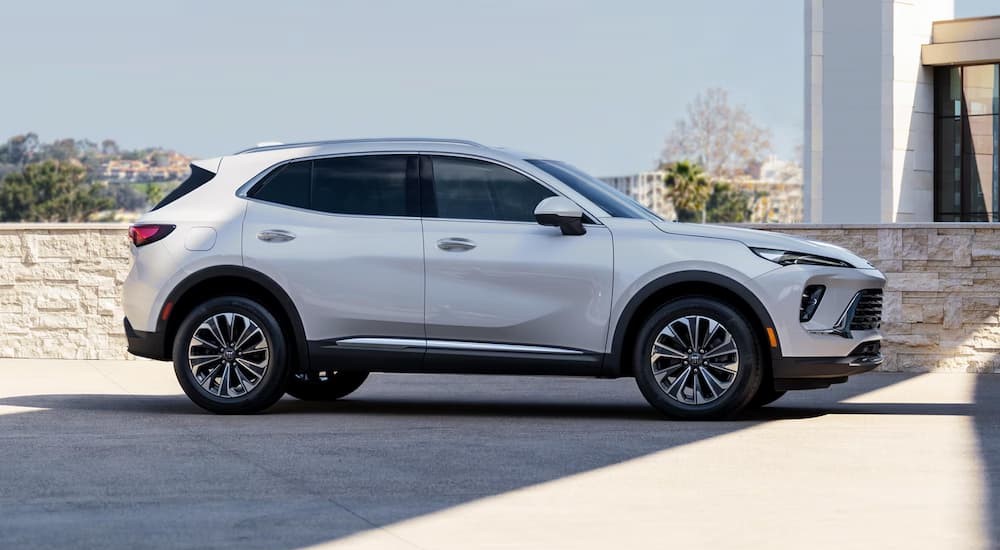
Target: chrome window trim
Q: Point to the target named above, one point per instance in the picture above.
(456, 345)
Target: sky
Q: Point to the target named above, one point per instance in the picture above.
(597, 83)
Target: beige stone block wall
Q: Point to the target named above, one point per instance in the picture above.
(60, 290)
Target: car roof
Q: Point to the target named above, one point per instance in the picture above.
(363, 141)
(286, 151)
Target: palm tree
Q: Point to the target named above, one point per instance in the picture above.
(688, 187)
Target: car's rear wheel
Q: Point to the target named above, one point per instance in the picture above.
(696, 358)
(230, 356)
(325, 385)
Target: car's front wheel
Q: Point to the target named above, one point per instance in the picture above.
(325, 386)
(696, 358)
(230, 356)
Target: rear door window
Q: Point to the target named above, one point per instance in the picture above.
(374, 185)
(288, 185)
(371, 185)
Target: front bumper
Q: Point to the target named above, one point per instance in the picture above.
(803, 373)
(145, 344)
(822, 336)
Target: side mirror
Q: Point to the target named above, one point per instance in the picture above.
(562, 213)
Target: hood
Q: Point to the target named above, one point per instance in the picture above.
(764, 239)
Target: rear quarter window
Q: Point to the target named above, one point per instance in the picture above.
(199, 176)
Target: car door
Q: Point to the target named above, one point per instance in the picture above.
(343, 237)
(497, 281)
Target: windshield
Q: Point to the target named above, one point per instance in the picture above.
(611, 200)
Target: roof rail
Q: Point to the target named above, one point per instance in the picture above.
(279, 146)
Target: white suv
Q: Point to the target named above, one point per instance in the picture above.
(302, 268)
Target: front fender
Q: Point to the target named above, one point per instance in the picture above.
(623, 327)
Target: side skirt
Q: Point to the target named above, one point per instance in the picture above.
(441, 357)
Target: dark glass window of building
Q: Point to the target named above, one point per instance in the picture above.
(967, 144)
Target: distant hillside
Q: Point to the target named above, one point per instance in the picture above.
(134, 179)
(104, 160)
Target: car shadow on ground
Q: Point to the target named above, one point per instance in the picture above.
(987, 423)
(138, 470)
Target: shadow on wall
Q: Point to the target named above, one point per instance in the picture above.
(123, 471)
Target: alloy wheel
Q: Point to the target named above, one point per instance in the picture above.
(228, 355)
(694, 360)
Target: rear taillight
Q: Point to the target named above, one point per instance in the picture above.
(148, 233)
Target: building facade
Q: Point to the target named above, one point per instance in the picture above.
(901, 112)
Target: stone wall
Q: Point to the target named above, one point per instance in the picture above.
(60, 290)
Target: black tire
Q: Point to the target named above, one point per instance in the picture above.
(742, 385)
(764, 396)
(330, 387)
(269, 387)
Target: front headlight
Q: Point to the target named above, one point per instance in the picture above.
(787, 257)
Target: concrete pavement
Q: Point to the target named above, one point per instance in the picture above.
(111, 454)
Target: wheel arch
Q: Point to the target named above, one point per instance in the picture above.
(233, 280)
(679, 285)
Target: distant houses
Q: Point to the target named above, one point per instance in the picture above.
(156, 167)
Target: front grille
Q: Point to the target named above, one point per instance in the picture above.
(868, 312)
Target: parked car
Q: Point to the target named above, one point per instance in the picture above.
(303, 268)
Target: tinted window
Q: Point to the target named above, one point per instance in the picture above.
(967, 132)
(288, 185)
(376, 185)
(372, 185)
(611, 200)
(476, 190)
(199, 176)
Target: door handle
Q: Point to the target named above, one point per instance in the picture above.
(456, 244)
(275, 235)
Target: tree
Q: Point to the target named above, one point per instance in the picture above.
(50, 191)
(19, 149)
(61, 150)
(124, 195)
(689, 189)
(109, 147)
(722, 138)
(728, 204)
(154, 193)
